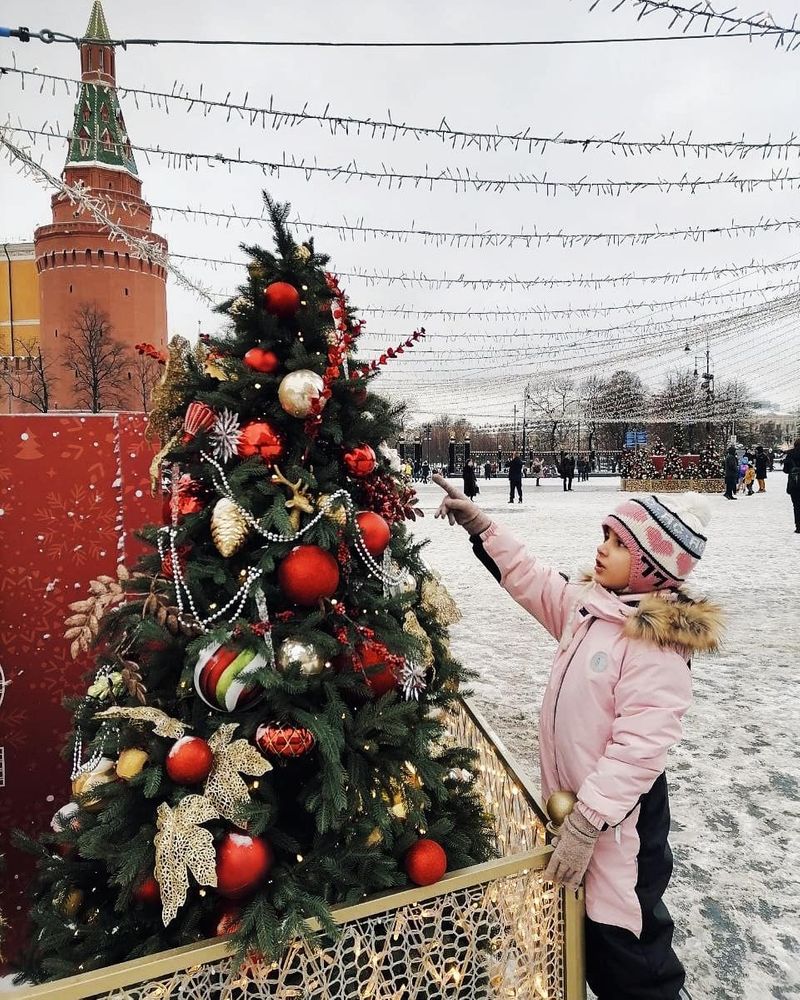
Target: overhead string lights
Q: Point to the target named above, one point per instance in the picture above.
(418, 279)
(703, 16)
(460, 179)
(359, 232)
(523, 140)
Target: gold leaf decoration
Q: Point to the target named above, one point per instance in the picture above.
(412, 627)
(163, 422)
(228, 527)
(183, 846)
(224, 787)
(84, 624)
(164, 724)
(438, 602)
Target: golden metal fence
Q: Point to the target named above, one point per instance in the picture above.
(495, 931)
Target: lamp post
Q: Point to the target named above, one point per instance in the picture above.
(526, 396)
(428, 439)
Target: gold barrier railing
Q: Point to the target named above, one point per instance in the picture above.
(495, 931)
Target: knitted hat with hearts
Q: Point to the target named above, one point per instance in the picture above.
(665, 543)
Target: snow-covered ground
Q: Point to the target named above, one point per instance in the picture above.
(735, 778)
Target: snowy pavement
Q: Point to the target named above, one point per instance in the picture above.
(735, 779)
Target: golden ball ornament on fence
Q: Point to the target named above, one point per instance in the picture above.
(298, 391)
(229, 527)
(559, 806)
(69, 903)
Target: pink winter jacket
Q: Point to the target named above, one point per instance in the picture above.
(618, 687)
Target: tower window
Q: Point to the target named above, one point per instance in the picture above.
(56, 332)
(126, 291)
(70, 288)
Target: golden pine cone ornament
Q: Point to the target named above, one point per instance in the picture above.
(228, 527)
(334, 510)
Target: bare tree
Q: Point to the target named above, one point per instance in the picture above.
(556, 401)
(99, 362)
(28, 377)
(682, 397)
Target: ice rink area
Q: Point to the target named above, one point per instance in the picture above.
(735, 779)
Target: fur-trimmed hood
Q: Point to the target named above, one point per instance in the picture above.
(677, 620)
(664, 617)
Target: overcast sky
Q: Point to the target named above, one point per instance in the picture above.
(715, 89)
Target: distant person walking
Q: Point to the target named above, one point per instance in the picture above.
(426, 471)
(567, 471)
(791, 466)
(761, 469)
(536, 470)
(515, 477)
(731, 473)
(471, 487)
(487, 470)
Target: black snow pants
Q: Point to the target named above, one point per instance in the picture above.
(620, 966)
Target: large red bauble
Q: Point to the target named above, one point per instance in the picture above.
(284, 739)
(378, 666)
(281, 299)
(425, 862)
(375, 532)
(261, 360)
(147, 891)
(242, 862)
(189, 761)
(259, 437)
(360, 461)
(308, 574)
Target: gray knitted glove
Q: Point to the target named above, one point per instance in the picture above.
(460, 510)
(574, 845)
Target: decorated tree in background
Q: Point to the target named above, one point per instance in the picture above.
(673, 467)
(638, 464)
(265, 734)
(710, 464)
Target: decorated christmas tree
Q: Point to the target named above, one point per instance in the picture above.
(638, 464)
(710, 464)
(673, 467)
(263, 735)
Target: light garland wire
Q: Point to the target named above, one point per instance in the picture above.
(466, 139)
(463, 240)
(97, 208)
(461, 179)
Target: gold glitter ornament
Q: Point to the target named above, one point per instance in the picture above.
(412, 627)
(130, 763)
(438, 602)
(88, 781)
(69, 903)
(238, 305)
(164, 724)
(225, 789)
(374, 838)
(334, 510)
(256, 271)
(183, 846)
(302, 252)
(229, 528)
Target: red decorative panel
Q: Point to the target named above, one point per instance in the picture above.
(73, 489)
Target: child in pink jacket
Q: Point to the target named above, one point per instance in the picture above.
(619, 685)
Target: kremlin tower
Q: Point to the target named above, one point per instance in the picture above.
(78, 264)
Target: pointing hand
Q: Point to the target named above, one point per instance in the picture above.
(460, 510)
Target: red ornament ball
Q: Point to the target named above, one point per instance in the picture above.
(308, 574)
(261, 360)
(375, 532)
(242, 862)
(281, 299)
(378, 666)
(147, 892)
(229, 920)
(189, 761)
(359, 395)
(360, 461)
(167, 568)
(284, 740)
(425, 862)
(259, 437)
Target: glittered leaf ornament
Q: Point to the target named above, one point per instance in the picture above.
(225, 788)
(164, 724)
(167, 396)
(438, 602)
(228, 527)
(183, 846)
(412, 627)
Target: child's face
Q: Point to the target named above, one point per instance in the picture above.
(612, 567)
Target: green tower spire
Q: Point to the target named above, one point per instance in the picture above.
(99, 134)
